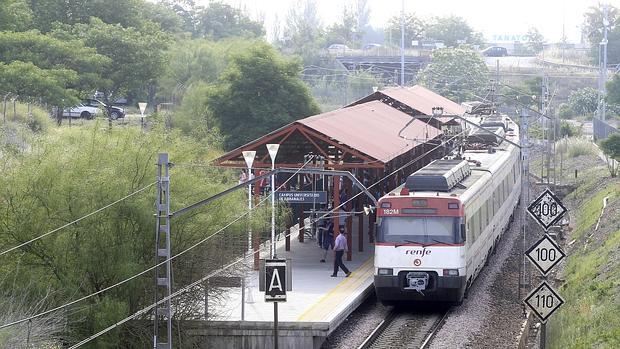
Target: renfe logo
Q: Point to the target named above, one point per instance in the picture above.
(422, 252)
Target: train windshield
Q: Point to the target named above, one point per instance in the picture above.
(419, 229)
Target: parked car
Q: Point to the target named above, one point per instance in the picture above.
(495, 51)
(370, 46)
(89, 108)
(338, 48)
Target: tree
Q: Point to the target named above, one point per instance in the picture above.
(611, 149)
(137, 56)
(584, 101)
(31, 82)
(46, 52)
(592, 30)
(344, 32)
(303, 31)
(414, 29)
(535, 40)
(593, 24)
(452, 30)
(127, 13)
(15, 15)
(456, 73)
(613, 90)
(259, 92)
(50, 186)
(218, 20)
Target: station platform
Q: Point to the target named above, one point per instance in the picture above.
(317, 304)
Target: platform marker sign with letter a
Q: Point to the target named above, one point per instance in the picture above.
(544, 301)
(275, 280)
(547, 209)
(545, 254)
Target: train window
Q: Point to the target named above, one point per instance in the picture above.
(479, 222)
(419, 229)
(487, 212)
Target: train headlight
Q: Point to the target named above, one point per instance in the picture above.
(385, 271)
(450, 272)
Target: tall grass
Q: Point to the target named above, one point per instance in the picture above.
(574, 147)
(35, 118)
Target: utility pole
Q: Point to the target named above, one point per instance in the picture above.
(402, 43)
(525, 191)
(603, 65)
(545, 131)
(163, 287)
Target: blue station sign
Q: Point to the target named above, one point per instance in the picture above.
(302, 197)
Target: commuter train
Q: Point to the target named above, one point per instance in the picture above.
(437, 230)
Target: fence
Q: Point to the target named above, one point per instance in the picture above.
(602, 129)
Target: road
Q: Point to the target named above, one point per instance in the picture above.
(511, 62)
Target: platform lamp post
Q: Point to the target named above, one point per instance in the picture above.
(273, 151)
(248, 156)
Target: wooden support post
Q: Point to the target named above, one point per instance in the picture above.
(371, 227)
(300, 180)
(255, 234)
(336, 194)
(360, 229)
(348, 184)
(287, 239)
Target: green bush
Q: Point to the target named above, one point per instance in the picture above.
(37, 120)
(565, 111)
(68, 173)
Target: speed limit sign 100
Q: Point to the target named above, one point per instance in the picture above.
(545, 254)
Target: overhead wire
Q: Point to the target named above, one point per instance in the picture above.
(264, 248)
(16, 322)
(76, 221)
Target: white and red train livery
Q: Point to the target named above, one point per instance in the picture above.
(436, 231)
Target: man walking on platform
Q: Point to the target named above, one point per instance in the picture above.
(340, 247)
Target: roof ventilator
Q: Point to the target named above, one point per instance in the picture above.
(439, 175)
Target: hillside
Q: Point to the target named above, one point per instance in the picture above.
(590, 279)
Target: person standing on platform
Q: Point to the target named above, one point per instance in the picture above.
(327, 241)
(340, 247)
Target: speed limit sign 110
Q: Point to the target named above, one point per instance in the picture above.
(545, 254)
(544, 301)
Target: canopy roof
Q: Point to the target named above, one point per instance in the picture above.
(366, 135)
(416, 100)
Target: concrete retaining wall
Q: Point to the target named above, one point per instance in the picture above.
(256, 334)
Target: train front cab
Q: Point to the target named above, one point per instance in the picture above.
(420, 257)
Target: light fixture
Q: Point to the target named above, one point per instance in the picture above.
(437, 111)
(273, 151)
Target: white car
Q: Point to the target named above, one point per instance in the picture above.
(81, 111)
(89, 108)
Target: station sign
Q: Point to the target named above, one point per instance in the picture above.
(275, 279)
(302, 197)
(544, 301)
(547, 209)
(545, 254)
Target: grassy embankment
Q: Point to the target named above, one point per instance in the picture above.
(589, 318)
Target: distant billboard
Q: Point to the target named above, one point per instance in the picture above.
(508, 38)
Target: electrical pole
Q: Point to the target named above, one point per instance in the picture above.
(163, 287)
(603, 64)
(402, 43)
(525, 194)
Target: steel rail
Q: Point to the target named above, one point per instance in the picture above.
(378, 330)
(434, 330)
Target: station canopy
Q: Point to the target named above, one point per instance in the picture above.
(364, 135)
(417, 101)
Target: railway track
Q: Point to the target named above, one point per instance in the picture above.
(406, 329)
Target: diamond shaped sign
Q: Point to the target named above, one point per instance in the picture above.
(544, 301)
(547, 209)
(545, 254)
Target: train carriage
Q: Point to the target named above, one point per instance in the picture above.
(437, 230)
